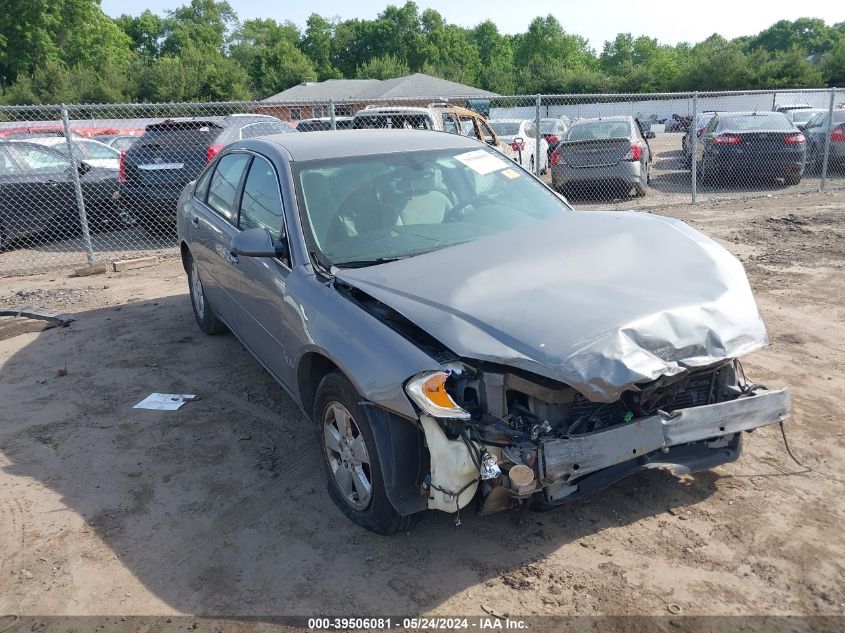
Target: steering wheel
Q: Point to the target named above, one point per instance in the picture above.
(455, 213)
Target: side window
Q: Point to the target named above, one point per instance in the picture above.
(7, 165)
(487, 133)
(93, 149)
(263, 128)
(468, 126)
(40, 160)
(711, 126)
(261, 204)
(450, 123)
(201, 188)
(224, 185)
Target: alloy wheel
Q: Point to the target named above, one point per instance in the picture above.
(346, 452)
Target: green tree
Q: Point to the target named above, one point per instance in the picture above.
(498, 72)
(146, 32)
(268, 52)
(833, 66)
(66, 33)
(384, 67)
(810, 34)
(202, 25)
(317, 46)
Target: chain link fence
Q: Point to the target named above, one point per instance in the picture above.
(95, 183)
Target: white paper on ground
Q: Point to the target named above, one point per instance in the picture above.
(164, 401)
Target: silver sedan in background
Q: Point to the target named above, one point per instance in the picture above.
(609, 151)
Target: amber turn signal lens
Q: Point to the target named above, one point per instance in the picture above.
(428, 391)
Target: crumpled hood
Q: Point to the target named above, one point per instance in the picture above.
(597, 300)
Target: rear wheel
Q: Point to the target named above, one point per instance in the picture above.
(350, 458)
(206, 319)
(792, 178)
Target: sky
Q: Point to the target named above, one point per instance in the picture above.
(597, 20)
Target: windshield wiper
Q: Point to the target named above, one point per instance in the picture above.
(363, 263)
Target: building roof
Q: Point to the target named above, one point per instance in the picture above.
(416, 85)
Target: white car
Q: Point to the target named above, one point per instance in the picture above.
(519, 141)
(93, 152)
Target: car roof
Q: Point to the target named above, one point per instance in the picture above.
(722, 115)
(342, 143)
(508, 120)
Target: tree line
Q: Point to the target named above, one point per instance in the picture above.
(54, 51)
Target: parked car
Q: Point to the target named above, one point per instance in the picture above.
(817, 131)
(120, 142)
(611, 150)
(553, 130)
(95, 153)
(751, 145)
(324, 123)
(37, 194)
(436, 116)
(701, 122)
(170, 154)
(457, 334)
(793, 107)
(801, 117)
(519, 140)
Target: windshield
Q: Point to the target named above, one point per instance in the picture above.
(599, 130)
(365, 210)
(505, 128)
(752, 122)
(802, 116)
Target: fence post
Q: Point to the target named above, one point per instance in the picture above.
(826, 159)
(693, 138)
(77, 186)
(538, 161)
(331, 114)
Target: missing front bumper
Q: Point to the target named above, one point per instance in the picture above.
(568, 459)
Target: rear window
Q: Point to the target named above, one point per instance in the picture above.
(505, 128)
(176, 131)
(394, 122)
(751, 122)
(802, 116)
(599, 130)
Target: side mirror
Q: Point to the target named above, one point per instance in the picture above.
(650, 134)
(257, 243)
(83, 168)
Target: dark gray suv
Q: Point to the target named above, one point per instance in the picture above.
(457, 333)
(155, 169)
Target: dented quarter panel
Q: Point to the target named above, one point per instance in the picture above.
(597, 300)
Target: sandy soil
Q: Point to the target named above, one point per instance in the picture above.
(219, 508)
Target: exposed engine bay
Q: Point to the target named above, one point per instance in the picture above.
(528, 437)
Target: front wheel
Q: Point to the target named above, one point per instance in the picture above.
(206, 319)
(350, 459)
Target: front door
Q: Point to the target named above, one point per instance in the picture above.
(259, 284)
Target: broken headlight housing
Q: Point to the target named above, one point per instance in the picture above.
(428, 391)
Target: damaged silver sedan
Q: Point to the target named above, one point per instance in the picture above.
(458, 335)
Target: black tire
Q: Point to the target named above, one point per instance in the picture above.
(204, 314)
(377, 515)
(792, 178)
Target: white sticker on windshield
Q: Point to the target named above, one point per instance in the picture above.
(481, 161)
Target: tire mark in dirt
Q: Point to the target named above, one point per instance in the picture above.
(12, 533)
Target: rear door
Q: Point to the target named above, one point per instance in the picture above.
(43, 192)
(170, 154)
(214, 219)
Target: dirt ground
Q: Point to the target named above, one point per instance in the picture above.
(219, 508)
